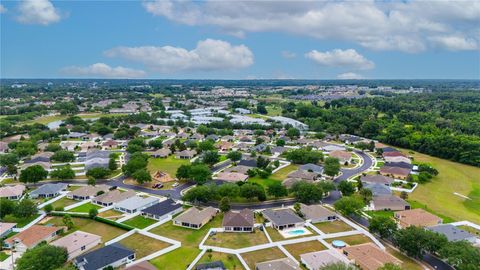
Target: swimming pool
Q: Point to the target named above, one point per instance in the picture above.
(297, 232)
(294, 232)
(338, 243)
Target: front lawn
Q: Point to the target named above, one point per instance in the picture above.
(381, 213)
(352, 240)
(333, 226)
(263, 255)
(21, 222)
(107, 232)
(236, 240)
(229, 260)
(190, 240)
(3, 256)
(84, 208)
(276, 236)
(139, 222)
(301, 248)
(168, 165)
(143, 245)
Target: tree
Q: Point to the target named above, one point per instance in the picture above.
(63, 156)
(92, 213)
(307, 192)
(142, 176)
(53, 147)
(280, 142)
(262, 162)
(156, 144)
(183, 172)
(383, 226)
(210, 157)
(234, 156)
(8, 159)
(349, 205)
(67, 221)
(366, 195)
(7, 207)
(415, 241)
(404, 195)
(276, 189)
(64, 172)
(33, 174)
(198, 194)
(339, 266)
(25, 209)
(44, 257)
(136, 162)
(250, 191)
(91, 181)
(347, 188)
(261, 108)
(98, 173)
(112, 164)
(293, 133)
(200, 173)
(304, 156)
(224, 204)
(331, 167)
(461, 255)
(48, 208)
(390, 266)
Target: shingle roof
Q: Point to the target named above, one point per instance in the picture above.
(282, 216)
(452, 233)
(370, 257)
(315, 211)
(380, 179)
(34, 235)
(162, 208)
(99, 258)
(49, 189)
(279, 264)
(10, 191)
(244, 218)
(312, 167)
(196, 216)
(136, 202)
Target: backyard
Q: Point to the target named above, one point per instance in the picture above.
(143, 245)
(84, 208)
(139, 222)
(276, 236)
(251, 258)
(111, 214)
(351, 239)
(190, 240)
(333, 226)
(306, 247)
(229, 260)
(63, 202)
(237, 240)
(21, 222)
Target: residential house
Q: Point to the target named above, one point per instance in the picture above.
(114, 255)
(224, 146)
(78, 242)
(161, 153)
(135, 204)
(44, 164)
(241, 221)
(305, 175)
(279, 150)
(416, 217)
(12, 192)
(454, 233)
(238, 169)
(389, 202)
(195, 218)
(278, 264)
(232, 177)
(344, 157)
(312, 168)
(31, 237)
(395, 172)
(113, 196)
(70, 146)
(283, 218)
(162, 209)
(289, 182)
(396, 157)
(369, 257)
(48, 190)
(110, 144)
(377, 179)
(87, 192)
(317, 213)
(185, 154)
(378, 189)
(319, 259)
(252, 163)
(242, 111)
(6, 228)
(404, 165)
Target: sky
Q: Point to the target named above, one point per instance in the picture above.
(240, 39)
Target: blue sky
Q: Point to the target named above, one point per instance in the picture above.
(240, 40)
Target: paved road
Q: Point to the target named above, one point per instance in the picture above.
(347, 173)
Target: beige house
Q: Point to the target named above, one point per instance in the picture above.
(31, 237)
(78, 243)
(112, 197)
(12, 192)
(195, 218)
(416, 217)
(87, 192)
(369, 257)
(317, 213)
(343, 156)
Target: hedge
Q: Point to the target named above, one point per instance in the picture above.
(97, 218)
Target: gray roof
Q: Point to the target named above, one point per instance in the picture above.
(312, 167)
(378, 189)
(452, 233)
(49, 189)
(279, 264)
(136, 202)
(102, 257)
(282, 216)
(380, 179)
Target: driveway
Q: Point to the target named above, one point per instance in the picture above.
(347, 173)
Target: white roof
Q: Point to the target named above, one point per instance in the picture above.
(136, 202)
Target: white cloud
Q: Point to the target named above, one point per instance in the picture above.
(341, 58)
(38, 12)
(391, 25)
(288, 55)
(455, 43)
(2, 9)
(349, 76)
(208, 55)
(104, 71)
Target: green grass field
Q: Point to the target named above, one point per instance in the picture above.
(3, 256)
(84, 208)
(263, 255)
(143, 245)
(438, 195)
(237, 240)
(190, 239)
(139, 222)
(229, 260)
(280, 175)
(352, 240)
(21, 222)
(333, 226)
(63, 202)
(301, 248)
(168, 165)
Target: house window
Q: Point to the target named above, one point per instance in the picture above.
(82, 248)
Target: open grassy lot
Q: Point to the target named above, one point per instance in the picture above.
(111, 214)
(470, 230)
(3, 256)
(333, 226)
(139, 222)
(382, 213)
(190, 239)
(280, 175)
(301, 248)
(407, 262)
(352, 239)
(251, 258)
(438, 195)
(237, 240)
(84, 208)
(276, 236)
(107, 232)
(274, 110)
(168, 165)
(229, 260)
(21, 222)
(63, 202)
(143, 245)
